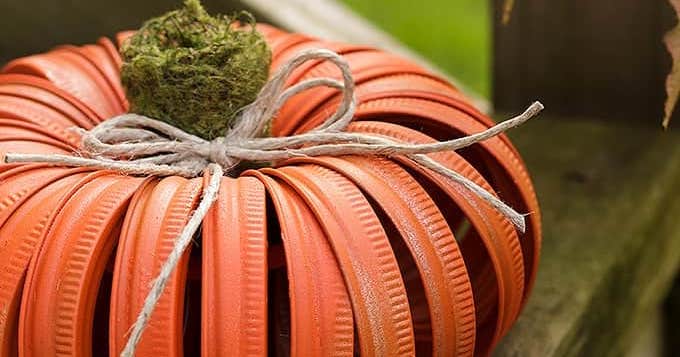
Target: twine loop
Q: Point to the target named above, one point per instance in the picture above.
(135, 144)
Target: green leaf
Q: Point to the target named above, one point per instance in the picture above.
(672, 41)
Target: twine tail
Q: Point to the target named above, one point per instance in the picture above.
(209, 197)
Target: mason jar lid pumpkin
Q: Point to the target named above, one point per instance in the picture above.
(234, 189)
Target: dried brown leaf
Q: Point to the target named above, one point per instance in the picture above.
(672, 41)
(508, 5)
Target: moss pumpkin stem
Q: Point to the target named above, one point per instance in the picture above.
(193, 70)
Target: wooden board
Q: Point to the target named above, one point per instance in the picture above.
(584, 58)
(610, 197)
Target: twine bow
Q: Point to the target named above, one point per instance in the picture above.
(138, 145)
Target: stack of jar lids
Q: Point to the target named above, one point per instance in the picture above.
(314, 256)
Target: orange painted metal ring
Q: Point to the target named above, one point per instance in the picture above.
(495, 160)
(32, 144)
(269, 31)
(20, 237)
(155, 220)
(281, 44)
(492, 158)
(321, 321)
(123, 36)
(86, 64)
(306, 105)
(440, 280)
(100, 59)
(234, 283)
(70, 75)
(491, 233)
(372, 91)
(366, 64)
(12, 107)
(73, 258)
(47, 98)
(371, 273)
(288, 53)
(112, 51)
(91, 117)
(16, 128)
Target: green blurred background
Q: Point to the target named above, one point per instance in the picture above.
(454, 34)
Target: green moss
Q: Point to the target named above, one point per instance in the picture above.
(193, 70)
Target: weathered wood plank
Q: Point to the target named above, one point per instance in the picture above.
(609, 196)
(650, 337)
(581, 57)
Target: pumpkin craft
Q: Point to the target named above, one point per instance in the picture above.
(311, 256)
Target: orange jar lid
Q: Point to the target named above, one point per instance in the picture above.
(371, 273)
(234, 275)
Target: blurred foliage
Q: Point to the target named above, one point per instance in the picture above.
(454, 34)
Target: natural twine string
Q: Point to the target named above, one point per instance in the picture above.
(134, 144)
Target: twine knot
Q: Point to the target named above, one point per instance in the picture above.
(135, 144)
(218, 154)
